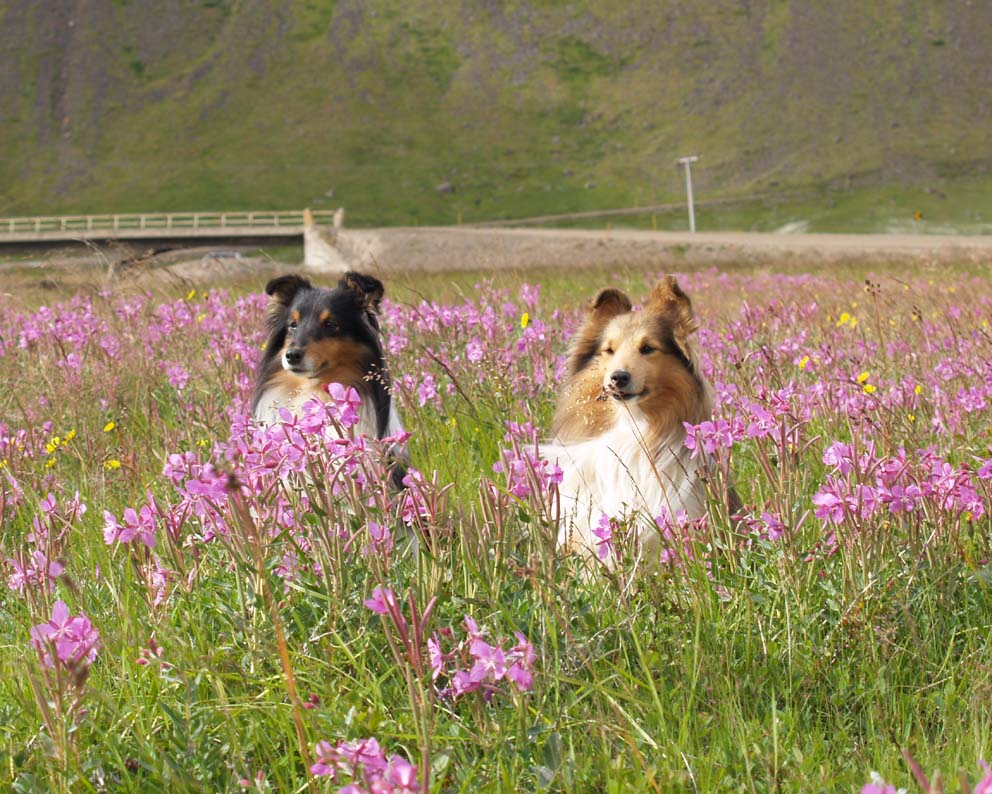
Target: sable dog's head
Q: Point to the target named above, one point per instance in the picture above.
(642, 362)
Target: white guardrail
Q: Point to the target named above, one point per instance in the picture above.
(162, 220)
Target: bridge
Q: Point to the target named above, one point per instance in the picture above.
(316, 229)
(161, 226)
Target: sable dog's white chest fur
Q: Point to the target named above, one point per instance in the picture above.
(617, 475)
(633, 380)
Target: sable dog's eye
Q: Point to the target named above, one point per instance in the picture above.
(608, 351)
(647, 350)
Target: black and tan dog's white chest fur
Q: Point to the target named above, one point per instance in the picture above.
(319, 336)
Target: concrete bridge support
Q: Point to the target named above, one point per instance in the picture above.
(320, 252)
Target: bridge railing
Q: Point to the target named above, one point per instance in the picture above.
(162, 220)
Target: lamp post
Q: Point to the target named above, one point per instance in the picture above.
(687, 162)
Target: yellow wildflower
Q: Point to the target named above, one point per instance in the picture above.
(49, 463)
(862, 377)
(912, 417)
(524, 320)
(109, 426)
(918, 389)
(112, 464)
(69, 436)
(869, 389)
(803, 362)
(191, 294)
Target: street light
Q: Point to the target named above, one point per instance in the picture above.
(687, 162)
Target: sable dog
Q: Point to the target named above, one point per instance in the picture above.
(633, 379)
(319, 336)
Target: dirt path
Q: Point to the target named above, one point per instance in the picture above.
(469, 248)
(439, 249)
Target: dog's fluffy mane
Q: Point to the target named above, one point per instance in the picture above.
(628, 458)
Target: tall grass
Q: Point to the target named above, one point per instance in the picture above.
(270, 605)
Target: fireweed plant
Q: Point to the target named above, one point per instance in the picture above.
(195, 603)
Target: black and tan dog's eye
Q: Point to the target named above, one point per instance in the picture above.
(329, 326)
(292, 325)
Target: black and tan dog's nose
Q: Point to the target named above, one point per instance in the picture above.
(620, 378)
(294, 356)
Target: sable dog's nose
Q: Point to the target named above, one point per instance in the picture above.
(620, 378)
(294, 356)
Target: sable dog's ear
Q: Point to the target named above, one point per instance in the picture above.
(283, 289)
(668, 300)
(368, 289)
(607, 304)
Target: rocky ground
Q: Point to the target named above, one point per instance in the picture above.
(438, 249)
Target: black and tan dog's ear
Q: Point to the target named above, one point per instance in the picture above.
(282, 290)
(607, 304)
(368, 289)
(668, 299)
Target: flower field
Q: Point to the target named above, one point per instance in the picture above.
(193, 603)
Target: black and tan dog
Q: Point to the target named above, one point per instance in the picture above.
(319, 336)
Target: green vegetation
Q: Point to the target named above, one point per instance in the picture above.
(750, 663)
(523, 109)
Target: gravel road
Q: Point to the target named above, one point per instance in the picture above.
(464, 248)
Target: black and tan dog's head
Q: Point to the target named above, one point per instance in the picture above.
(621, 360)
(328, 334)
(321, 336)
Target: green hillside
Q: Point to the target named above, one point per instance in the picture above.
(854, 114)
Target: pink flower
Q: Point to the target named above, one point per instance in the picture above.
(839, 456)
(326, 757)
(40, 570)
(427, 390)
(364, 761)
(402, 774)
(137, 525)
(178, 376)
(709, 436)
(474, 351)
(830, 506)
(603, 532)
(363, 752)
(380, 540)
(984, 786)
(489, 661)
(345, 404)
(437, 657)
(382, 601)
(74, 639)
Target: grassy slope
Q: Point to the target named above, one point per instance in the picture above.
(521, 106)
